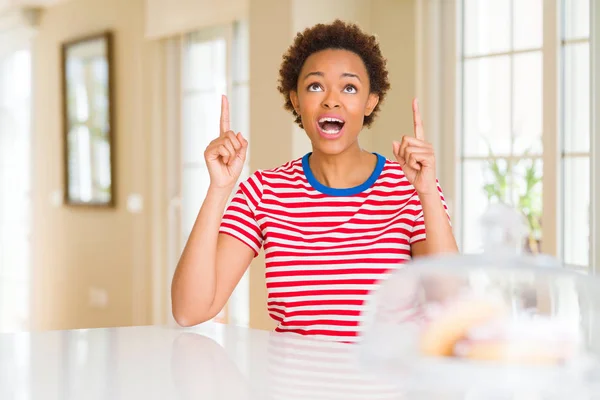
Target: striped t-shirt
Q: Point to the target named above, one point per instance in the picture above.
(325, 249)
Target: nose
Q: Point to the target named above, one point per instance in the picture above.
(331, 100)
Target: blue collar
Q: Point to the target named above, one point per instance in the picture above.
(342, 192)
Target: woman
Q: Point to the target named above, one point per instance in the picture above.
(333, 223)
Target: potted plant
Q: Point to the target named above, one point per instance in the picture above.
(517, 184)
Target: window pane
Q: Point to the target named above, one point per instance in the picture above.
(527, 98)
(240, 109)
(14, 255)
(527, 198)
(195, 185)
(204, 67)
(241, 57)
(576, 19)
(15, 202)
(576, 212)
(483, 182)
(527, 28)
(15, 199)
(14, 300)
(487, 26)
(244, 175)
(577, 98)
(197, 66)
(487, 106)
(201, 113)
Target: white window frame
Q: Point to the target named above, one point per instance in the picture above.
(595, 139)
(439, 26)
(573, 155)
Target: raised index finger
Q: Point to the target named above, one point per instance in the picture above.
(224, 114)
(418, 123)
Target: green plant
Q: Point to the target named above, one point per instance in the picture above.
(518, 184)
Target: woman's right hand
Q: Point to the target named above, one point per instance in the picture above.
(225, 156)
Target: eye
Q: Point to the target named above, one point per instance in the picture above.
(350, 89)
(314, 87)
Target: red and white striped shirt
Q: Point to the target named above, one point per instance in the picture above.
(325, 249)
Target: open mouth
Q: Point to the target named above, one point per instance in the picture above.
(331, 126)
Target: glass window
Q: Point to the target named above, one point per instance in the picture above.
(502, 114)
(15, 201)
(576, 213)
(503, 120)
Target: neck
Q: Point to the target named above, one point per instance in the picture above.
(348, 169)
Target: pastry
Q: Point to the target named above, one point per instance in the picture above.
(454, 321)
(481, 329)
(531, 340)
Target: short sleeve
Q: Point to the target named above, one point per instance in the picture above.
(418, 229)
(239, 219)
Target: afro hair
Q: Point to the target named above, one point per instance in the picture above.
(337, 35)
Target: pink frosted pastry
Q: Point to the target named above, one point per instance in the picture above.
(449, 324)
(480, 328)
(524, 341)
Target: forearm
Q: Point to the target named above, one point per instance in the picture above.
(194, 283)
(440, 238)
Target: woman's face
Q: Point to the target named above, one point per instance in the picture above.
(333, 97)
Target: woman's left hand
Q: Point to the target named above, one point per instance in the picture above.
(416, 157)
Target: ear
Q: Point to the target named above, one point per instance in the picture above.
(295, 101)
(372, 102)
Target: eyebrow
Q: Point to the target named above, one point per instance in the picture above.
(344, 75)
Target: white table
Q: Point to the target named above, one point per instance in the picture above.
(211, 361)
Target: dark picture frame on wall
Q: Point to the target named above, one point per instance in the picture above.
(88, 121)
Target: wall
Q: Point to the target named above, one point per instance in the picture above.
(394, 23)
(77, 249)
(168, 17)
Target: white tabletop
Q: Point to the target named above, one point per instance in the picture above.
(211, 361)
